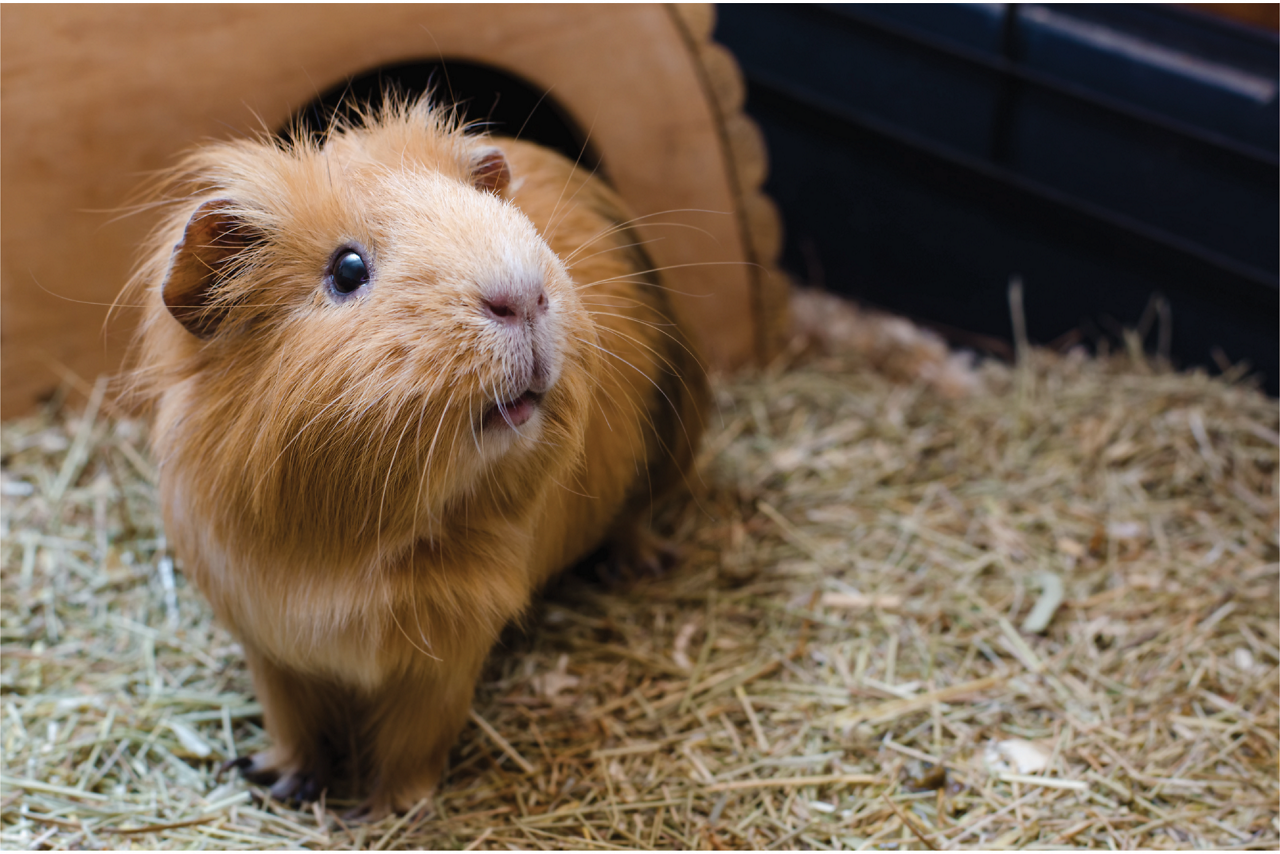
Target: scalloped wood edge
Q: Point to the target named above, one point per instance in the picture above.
(747, 157)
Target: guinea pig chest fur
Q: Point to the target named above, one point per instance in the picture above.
(400, 377)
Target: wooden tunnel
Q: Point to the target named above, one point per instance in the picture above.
(97, 96)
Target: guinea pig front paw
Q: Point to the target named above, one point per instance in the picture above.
(254, 773)
(658, 556)
(283, 784)
(304, 786)
(378, 807)
(367, 812)
(639, 553)
(404, 797)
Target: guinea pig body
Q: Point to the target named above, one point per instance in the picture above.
(400, 378)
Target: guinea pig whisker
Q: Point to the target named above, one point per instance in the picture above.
(431, 450)
(684, 473)
(647, 418)
(613, 301)
(489, 473)
(599, 399)
(664, 361)
(674, 406)
(623, 226)
(392, 611)
(626, 280)
(576, 255)
(386, 485)
(534, 109)
(422, 635)
(505, 412)
(297, 435)
(659, 327)
(471, 419)
(552, 224)
(573, 491)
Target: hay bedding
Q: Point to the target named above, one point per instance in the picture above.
(1042, 616)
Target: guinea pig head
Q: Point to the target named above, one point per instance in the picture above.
(355, 341)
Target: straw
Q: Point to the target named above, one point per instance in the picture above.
(889, 598)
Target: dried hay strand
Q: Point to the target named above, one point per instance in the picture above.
(1044, 615)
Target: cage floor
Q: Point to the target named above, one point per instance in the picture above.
(1043, 615)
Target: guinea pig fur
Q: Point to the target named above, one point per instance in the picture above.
(400, 377)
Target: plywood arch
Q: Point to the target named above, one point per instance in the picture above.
(97, 96)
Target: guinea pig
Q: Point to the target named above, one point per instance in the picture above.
(400, 376)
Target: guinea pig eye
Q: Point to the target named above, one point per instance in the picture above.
(349, 272)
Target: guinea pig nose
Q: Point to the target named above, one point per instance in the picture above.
(501, 308)
(515, 305)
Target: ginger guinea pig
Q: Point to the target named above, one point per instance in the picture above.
(400, 377)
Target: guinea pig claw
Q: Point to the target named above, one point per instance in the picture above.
(251, 768)
(254, 771)
(238, 762)
(648, 556)
(300, 787)
(287, 787)
(366, 813)
(311, 789)
(663, 557)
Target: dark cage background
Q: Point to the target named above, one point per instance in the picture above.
(1116, 158)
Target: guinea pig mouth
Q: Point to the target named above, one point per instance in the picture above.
(512, 413)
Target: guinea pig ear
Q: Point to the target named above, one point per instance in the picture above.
(213, 237)
(489, 171)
